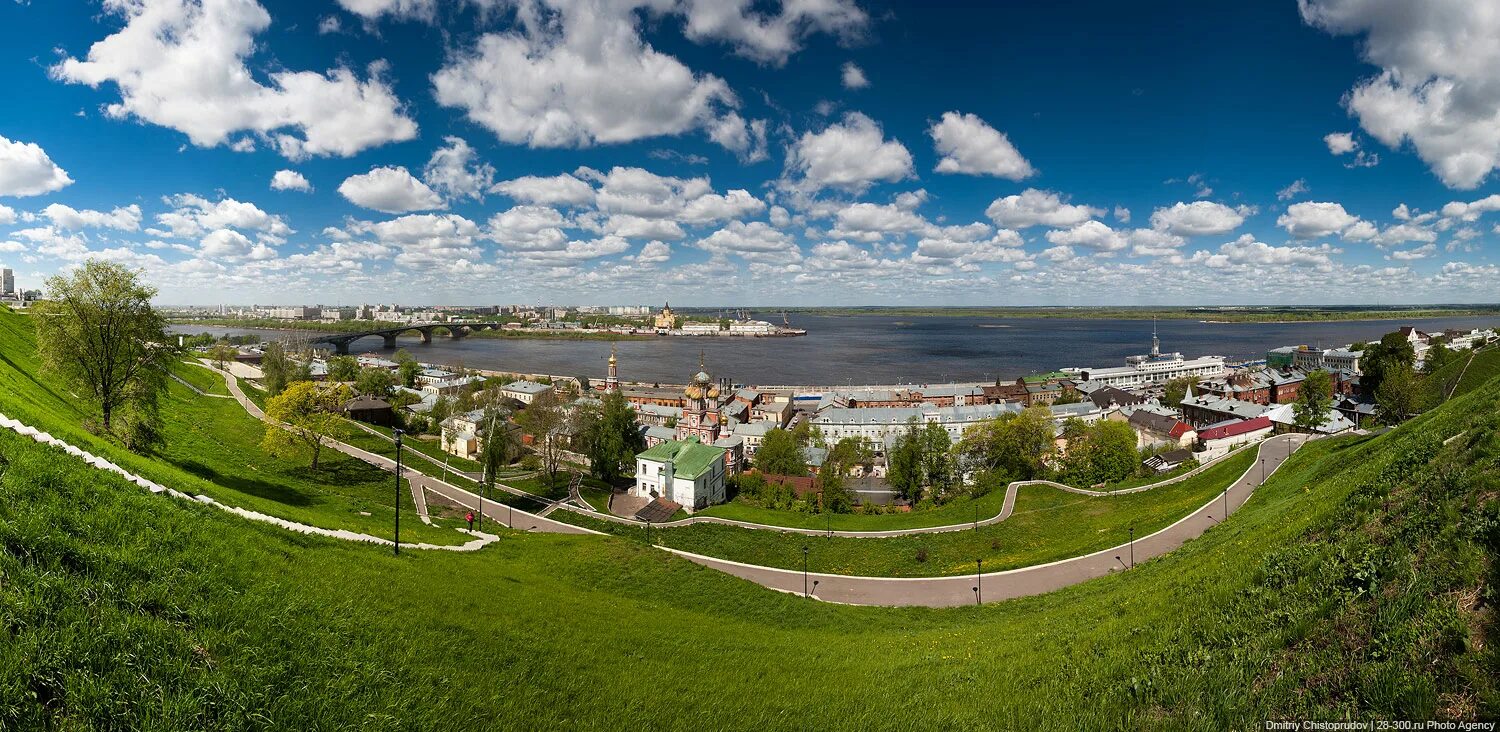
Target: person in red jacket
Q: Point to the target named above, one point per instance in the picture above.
(470, 518)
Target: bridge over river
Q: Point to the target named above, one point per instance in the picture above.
(341, 341)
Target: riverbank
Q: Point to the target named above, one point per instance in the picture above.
(360, 326)
(1228, 315)
(876, 350)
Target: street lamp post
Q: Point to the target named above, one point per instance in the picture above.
(804, 571)
(1132, 546)
(979, 579)
(398, 492)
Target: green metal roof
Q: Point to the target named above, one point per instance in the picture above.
(1049, 376)
(689, 457)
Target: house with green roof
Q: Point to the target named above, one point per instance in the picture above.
(686, 472)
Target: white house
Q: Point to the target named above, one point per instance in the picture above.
(686, 472)
(1216, 441)
(524, 392)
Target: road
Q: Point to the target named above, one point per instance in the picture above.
(902, 591)
(494, 510)
(1034, 580)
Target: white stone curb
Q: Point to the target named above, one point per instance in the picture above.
(25, 430)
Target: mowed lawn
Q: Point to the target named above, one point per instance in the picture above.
(216, 440)
(213, 448)
(125, 610)
(1463, 375)
(958, 511)
(1048, 524)
(201, 378)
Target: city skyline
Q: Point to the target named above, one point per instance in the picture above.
(836, 154)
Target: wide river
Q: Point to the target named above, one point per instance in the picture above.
(881, 349)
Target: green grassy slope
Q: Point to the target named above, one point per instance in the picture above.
(201, 378)
(213, 448)
(956, 511)
(1355, 583)
(1048, 524)
(1463, 375)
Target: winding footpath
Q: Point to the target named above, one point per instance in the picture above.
(506, 515)
(1033, 580)
(481, 539)
(848, 589)
(1006, 509)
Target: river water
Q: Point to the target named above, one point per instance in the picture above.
(880, 349)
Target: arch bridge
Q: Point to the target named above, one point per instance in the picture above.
(341, 341)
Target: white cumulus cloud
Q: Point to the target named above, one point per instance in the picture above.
(25, 170)
(1033, 207)
(290, 180)
(1312, 219)
(182, 65)
(1446, 103)
(390, 190)
(969, 145)
(853, 76)
(850, 154)
(1198, 218)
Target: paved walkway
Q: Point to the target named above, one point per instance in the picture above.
(618, 512)
(476, 477)
(481, 539)
(505, 515)
(897, 591)
(1034, 580)
(195, 389)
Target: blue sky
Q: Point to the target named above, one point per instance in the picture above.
(730, 153)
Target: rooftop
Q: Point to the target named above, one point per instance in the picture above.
(526, 387)
(1233, 429)
(689, 457)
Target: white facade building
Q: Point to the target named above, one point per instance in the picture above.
(524, 392)
(700, 328)
(685, 472)
(882, 425)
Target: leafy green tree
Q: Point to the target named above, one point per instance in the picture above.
(222, 354)
(1392, 351)
(304, 414)
(498, 447)
(611, 436)
(904, 463)
(1013, 446)
(781, 454)
(1102, 452)
(937, 457)
(834, 487)
(1399, 396)
(851, 452)
(407, 373)
(1112, 453)
(343, 368)
(374, 381)
(407, 368)
(276, 369)
(1176, 390)
(1069, 396)
(808, 434)
(1438, 356)
(1314, 399)
(544, 420)
(842, 458)
(99, 332)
